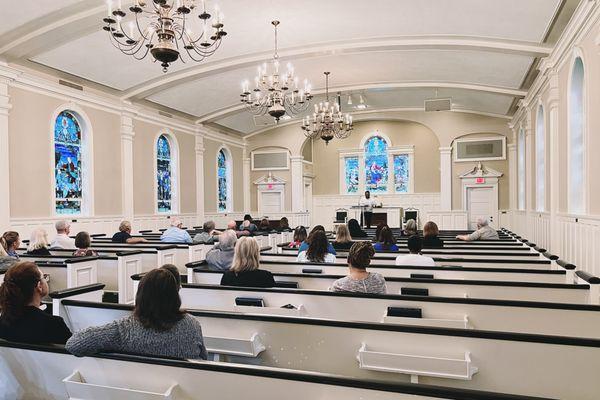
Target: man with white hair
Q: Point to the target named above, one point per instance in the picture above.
(484, 232)
(220, 257)
(175, 234)
(124, 234)
(62, 239)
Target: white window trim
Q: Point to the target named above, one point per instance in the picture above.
(229, 161)
(174, 147)
(478, 139)
(287, 159)
(540, 190)
(87, 158)
(577, 53)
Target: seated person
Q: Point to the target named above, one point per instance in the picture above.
(220, 256)
(415, 258)
(284, 224)
(264, 225)
(9, 244)
(317, 249)
(247, 225)
(62, 239)
(387, 241)
(306, 242)
(174, 271)
(378, 230)
(410, 228)
(430, 236)
(208, 233)
(343, 240)
(358, 279)
(83, 243)
(124, 234)
(484, 232)
(355, 230)
(38, 243)
(175, 234)
(157, 327)
(245, 267)
(299, 236)
(22, 320)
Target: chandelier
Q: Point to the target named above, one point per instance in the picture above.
(327, 120)
(276, 94)
(164, 28)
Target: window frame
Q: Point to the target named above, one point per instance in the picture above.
(229, 162)
(582, 187)
(174, 149)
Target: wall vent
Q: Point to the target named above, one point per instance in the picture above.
(438, 104)
(263, 120)
(69, 84)
(165, 114)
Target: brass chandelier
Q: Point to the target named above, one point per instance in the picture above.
(165, 29)
(327, 121)
(274, 93)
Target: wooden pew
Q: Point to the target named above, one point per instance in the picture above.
(459, 358)
(500, 290)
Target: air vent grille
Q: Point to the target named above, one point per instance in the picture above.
(438, 104)
(71, 85)
(165, 114)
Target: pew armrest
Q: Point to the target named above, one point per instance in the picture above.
(80, 388)
(251, 347)
(439, 367)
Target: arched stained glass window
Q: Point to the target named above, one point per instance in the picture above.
(540, 160)
(164, 174)
(577, 139)
(401, 173)
(352, 174)
(223, 181)
(376, 165)
(68, 180)
(521, 169)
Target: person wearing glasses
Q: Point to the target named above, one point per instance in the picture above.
(21, 318)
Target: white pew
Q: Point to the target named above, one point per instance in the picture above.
(471, 359)
(71, 273)
(500, 290)
(110, 377)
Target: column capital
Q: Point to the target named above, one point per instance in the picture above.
(511, 147)
(296, 158)
(127, 128)
(199, 144)
(445, 150)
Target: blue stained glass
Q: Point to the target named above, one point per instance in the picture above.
(376, 165)
(163, 174)
(223, 176)
(351, 164)
(401, 173)
(67, 164)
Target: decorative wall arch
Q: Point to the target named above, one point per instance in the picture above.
(166, 173)
(577, 134)
(224, 177)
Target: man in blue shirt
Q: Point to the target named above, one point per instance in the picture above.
(175, 234)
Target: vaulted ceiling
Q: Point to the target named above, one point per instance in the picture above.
(396, 54)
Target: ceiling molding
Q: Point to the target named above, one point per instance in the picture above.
(337, 48)
(518, 93)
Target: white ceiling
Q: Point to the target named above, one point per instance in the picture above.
(395, 52)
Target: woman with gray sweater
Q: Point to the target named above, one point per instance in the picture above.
(157, 327)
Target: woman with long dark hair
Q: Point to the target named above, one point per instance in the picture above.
(387, 241)
(355, 230)
(21, 318)
(300, 236)
(317, 250)
(306, 242)
(158, 327)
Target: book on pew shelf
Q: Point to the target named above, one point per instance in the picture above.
(312, 270)
(422, 276)
(249, 301)
(287, 284)
(404, 312)
(414, 291)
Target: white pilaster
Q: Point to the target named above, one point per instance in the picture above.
(247, 182)
(297, 184)
(127, 135)
(199, 148)
(5, 107)
(553, 165)
(529, 165)
(513, 187)
(445, 178)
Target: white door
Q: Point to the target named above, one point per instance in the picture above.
(308, 197)
(270, 203)
(481, 204)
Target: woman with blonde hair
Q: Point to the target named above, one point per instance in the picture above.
(245, 270)
(9, 243)
(430, 236)
(38, 243)
(343, 240)
(410, 228)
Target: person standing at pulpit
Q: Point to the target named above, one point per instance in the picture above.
(368, 203)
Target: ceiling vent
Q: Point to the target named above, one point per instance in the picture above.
(263, 120)
(438, 104)
(165, 114)
(69, 84)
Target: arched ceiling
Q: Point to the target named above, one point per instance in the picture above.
(396, 54)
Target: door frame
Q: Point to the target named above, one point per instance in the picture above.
(494, 188)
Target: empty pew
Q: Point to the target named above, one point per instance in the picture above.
(468, 359)
(500, 290)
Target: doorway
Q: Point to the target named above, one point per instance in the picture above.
(481, 204)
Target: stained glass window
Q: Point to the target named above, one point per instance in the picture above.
(376, 165)
(164, 174)
(352, 178)
(223, 181)
(401, 177)
(67, 164)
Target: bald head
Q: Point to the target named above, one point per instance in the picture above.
(231, 225)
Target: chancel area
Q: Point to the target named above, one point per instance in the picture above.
(267, 200)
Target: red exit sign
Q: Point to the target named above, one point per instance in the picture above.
(479, 180)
